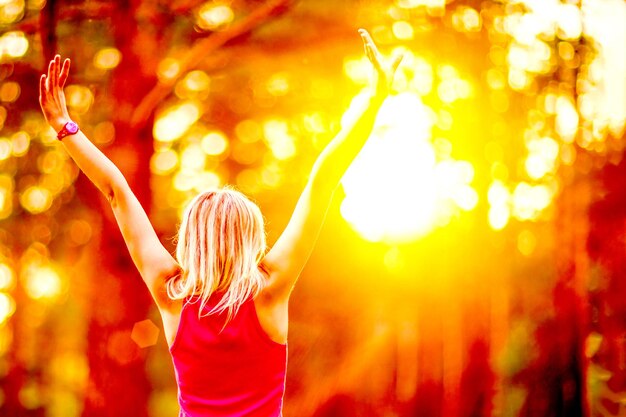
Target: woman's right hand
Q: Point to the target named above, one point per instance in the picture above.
(51, 96)
(385, 71)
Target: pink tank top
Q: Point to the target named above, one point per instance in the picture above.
(231, 371)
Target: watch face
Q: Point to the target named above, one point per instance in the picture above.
(71, 127)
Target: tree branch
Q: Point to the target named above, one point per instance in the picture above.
(179, 6)
(52, 13)
(200, 50)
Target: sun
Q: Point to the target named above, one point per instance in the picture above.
(400, 188)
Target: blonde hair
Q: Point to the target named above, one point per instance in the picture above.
(221, 242)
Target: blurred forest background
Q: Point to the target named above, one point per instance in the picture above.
(472, 265)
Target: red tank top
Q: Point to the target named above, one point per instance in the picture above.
(231, 371)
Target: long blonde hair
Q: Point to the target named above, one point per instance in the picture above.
(221, 242)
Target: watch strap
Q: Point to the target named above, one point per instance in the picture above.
(69, 128)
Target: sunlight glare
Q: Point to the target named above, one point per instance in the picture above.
(397, 190)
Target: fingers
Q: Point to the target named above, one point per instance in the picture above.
(42, 88)
(65, 70)
(368, 44)
(57, 74)
(50, 76)
(371, 51)
(396, 62)
(57, 67)
(385, 69)
(367, 39)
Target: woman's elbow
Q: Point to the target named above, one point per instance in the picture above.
(113, 191)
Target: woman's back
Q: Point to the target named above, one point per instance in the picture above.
(230, 370)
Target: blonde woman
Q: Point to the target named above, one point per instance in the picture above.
(224, 298)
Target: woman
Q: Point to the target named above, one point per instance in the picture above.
(223, 300)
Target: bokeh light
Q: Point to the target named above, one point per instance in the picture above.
(13, 45)
(36, 199)
(107, 58)
(214, 16)
(499, 198)
(7, 277)
(42, 282)
(164, 162)
(278, 139)
(20, 142)
(6, 195)
(79, 98)
(9, 92)
(7, 307)
(168, 68)
(214, 143)
(145, 333)
(172, 123)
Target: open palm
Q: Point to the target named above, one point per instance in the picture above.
(51, 96)
(385, 70)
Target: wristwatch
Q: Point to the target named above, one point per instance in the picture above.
(70, 128)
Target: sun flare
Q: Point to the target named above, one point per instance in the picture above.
(400, 188)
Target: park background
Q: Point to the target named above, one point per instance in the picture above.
(473, 264)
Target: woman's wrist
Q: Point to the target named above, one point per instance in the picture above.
(378, 96)
(58, 123)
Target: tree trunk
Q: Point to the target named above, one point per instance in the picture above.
(606, 370)
(118, 383)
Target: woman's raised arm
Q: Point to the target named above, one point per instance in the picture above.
(153, 261)
(288, 256)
